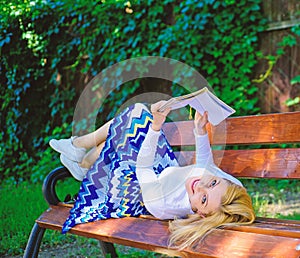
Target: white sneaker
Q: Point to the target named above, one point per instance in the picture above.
(74, 168)
(66, 147)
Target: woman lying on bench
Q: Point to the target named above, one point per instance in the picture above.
(131, 170)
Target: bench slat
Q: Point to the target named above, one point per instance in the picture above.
(227, 243)
(263, 129)
(268, 228)
(257, 163)
(152, 235)
(260, 163)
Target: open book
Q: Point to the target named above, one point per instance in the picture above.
(202, 100)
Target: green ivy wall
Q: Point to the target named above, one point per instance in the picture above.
(51, 49)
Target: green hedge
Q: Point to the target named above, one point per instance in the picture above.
(51, 49)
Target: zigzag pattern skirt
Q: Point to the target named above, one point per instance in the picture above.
(110, 189)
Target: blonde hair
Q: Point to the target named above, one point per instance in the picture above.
(235, 209)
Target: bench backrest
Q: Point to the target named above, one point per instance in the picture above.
(262, 146)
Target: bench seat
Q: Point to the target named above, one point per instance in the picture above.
(265, 238)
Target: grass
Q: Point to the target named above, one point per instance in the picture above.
(22, 204)
(275, 198)
(19, 206)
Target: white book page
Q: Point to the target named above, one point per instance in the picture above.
(217, 110)
(202, 100)
(181, 101)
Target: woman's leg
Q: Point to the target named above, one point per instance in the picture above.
(98, 138)
(90, 158)
(79, 169)
(93, 139)
(74, 150)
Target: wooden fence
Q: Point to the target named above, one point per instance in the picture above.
(274, 78)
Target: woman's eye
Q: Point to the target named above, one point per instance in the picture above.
(203, 201)
(213, 183)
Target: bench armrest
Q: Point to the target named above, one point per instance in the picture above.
(50, 183)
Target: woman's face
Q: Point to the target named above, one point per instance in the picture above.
(205, 193)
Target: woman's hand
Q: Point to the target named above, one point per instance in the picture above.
(159, 117)
(201, 122)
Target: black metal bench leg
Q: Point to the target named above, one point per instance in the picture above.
(108, 249)
(34, 241)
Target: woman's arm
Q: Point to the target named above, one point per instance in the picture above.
(204, 155)
(149, 182)
(148, 148)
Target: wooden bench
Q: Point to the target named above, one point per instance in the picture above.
(267, 237)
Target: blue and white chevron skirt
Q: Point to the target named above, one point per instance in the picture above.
(111, 189)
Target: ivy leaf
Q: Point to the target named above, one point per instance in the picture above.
(292, 102)
(295, 80)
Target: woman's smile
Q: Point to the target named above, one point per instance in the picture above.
(193, 184)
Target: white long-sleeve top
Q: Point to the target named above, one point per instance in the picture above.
(165, 195)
